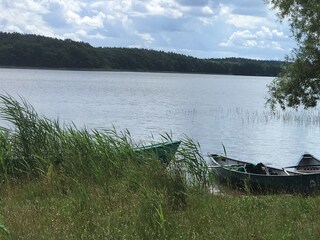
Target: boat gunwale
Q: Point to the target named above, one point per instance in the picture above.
(158, 145)
(228, 168)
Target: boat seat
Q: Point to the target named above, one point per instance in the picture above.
(285, 171)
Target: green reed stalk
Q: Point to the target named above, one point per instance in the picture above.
(35, 143)
(190, 161)
(35, 146)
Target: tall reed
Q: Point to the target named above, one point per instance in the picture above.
(33, 145)
(36, 147)
(190, 161)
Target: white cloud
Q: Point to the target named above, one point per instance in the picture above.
(238, 20)
(168, 8)
(200, 26)
(11, 28)
(241, 21)
(264, 32)
(96, 21)
(28, 5)
(14, 17)
(207, 10)
(193, 3)
(80, 34)
(277, 33)
(263, 38)
(224, 10)
(239, 37)
(147, 38)
(276, 45)
(250, 43)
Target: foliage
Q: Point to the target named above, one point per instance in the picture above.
(25, 50)
(299, 83)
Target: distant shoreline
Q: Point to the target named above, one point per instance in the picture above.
(115, 70)
(29, 51)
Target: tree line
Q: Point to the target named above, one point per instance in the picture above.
(28, 50)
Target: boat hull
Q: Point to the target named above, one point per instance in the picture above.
(163, 151)
(304, 184)
(275, 180)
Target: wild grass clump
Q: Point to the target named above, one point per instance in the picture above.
(35, 146)
(190, 161)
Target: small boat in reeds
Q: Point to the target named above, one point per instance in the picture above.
(262, 178)
(164, 151)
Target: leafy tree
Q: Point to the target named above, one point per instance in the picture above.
(299, 83)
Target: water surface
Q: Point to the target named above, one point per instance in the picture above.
(211, 109)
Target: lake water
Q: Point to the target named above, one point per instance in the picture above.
(211, 109)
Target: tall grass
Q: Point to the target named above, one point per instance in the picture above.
(36, 147)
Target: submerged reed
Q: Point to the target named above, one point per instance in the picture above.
(307, 117)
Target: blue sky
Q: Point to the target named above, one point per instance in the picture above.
(200, 28)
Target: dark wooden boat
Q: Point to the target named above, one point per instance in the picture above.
(164, 151)
(307, 164)
(262, 178)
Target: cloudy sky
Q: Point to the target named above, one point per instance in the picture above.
(200, 28)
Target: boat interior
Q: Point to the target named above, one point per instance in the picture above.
(246, 167)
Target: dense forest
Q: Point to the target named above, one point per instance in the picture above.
(27, 50)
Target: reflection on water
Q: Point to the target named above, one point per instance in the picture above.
(211, 109)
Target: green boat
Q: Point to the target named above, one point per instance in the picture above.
(164, 151)
(263, 179)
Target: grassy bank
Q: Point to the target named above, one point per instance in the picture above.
(33, 211)
(68, 183)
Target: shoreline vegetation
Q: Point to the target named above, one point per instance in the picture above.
(34, 51)
(69, 183)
